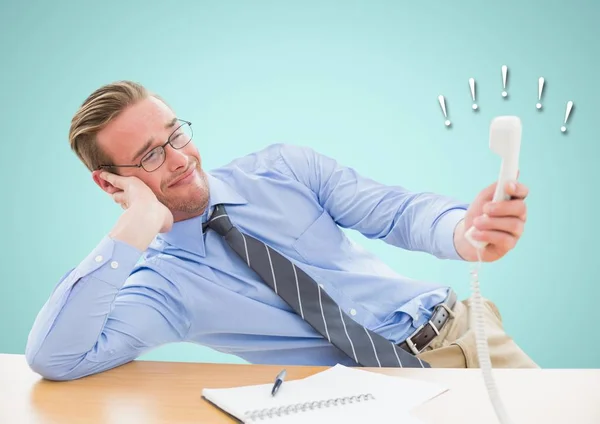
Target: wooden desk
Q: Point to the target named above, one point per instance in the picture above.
(164, 392)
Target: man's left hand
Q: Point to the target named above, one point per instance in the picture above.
(500, 224)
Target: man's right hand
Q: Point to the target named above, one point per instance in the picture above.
(144, 215)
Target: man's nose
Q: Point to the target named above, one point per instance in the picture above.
(176, 159)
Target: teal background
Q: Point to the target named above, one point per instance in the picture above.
(356, 80)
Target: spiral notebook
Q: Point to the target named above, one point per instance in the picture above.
(338, 394)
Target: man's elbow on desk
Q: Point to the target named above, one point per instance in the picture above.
(62, 367)
(51, 369)
(44, 367)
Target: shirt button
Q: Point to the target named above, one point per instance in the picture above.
(114, 264)
(352, 311)
(98, 258)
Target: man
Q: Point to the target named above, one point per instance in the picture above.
(250, 259)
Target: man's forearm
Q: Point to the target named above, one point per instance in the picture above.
(71, 321)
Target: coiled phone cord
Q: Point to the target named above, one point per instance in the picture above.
(477, 321)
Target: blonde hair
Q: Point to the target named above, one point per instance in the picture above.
(102, 106)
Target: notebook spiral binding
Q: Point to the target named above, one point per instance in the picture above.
(278, 411)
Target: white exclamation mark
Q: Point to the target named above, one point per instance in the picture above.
(540, 89)
(472, 85)
(443, 105)
(504, 75)
(569, 107)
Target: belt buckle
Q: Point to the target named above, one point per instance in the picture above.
(413, 346)
(409, 341)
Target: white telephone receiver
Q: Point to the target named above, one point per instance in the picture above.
(505, 140)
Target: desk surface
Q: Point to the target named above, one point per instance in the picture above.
(166, 392)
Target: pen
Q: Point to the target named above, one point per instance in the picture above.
(278, 381)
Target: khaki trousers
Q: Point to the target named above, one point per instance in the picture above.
(455, 346)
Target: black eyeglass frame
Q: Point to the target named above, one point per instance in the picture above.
(139, 165)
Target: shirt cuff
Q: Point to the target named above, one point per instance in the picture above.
(443, 233)
(111, 261)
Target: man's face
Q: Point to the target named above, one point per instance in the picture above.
(129, 133)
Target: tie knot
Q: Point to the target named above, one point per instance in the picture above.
(219, 221)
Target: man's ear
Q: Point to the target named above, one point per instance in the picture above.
(102, 183)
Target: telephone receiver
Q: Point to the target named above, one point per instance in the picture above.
(505, 141)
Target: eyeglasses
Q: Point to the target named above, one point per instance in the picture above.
(156, 157)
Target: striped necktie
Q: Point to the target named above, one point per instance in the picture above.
(312, 303)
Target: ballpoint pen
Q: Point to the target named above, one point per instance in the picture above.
(278, 381)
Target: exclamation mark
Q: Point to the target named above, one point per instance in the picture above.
(443, 105)
(569, 107)
(504, 75)
(472, 85)
(540, 89)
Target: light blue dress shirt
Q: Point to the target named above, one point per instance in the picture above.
(189, 286)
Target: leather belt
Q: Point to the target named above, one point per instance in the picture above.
(424, 335)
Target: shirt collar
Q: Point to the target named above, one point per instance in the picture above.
(187, 235)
